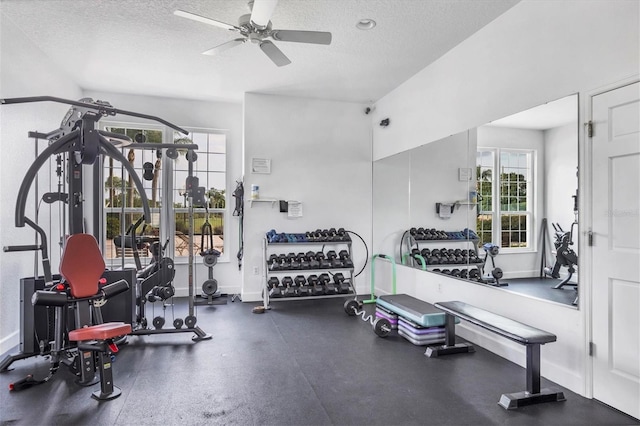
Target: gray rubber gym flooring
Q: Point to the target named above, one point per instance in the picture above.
(302, 363)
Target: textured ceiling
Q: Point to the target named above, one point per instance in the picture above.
(140, 47)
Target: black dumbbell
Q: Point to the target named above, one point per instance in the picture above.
(274, 287)
(464, 273)
(302, 260)
(316, 288)
(274, 263)
(325, 281)
(474, 274)
(344, 235)
(293, 261)
(283, 261)
(289, 290)
(322, 260)
(341, 283)
(345, 258)
(301, 285)
(311, 257)
(332, 257)
(455, 272)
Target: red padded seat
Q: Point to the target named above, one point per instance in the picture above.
(100, 332)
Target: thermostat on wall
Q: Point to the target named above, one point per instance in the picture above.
(464, 174)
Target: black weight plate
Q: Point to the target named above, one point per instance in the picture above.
(177, 323)
(190, 321)
(210, 260)
(158, 322)
(209, 287)
(497, 273)
(351, 307)
(382, 327)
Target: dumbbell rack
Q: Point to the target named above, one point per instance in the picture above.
(287, 247)
(472, 243)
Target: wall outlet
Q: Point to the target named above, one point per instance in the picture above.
(256, 270)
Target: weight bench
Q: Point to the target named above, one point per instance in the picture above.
(523, 334)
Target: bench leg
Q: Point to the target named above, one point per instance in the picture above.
(450, 346)
(107, 389)
(533, 394)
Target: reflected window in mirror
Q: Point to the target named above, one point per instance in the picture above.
(505, 197)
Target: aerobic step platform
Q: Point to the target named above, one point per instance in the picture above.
(418, 311)
(420, 336)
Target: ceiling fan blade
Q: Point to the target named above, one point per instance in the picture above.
(224, 46)
(261, 12)
(316, 37)
(275, 54)
(209, 21)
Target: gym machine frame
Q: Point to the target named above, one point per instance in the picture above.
(78, 137)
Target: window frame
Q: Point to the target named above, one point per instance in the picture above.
(497, 212)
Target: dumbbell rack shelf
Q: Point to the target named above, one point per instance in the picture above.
(272, 248)
(473, 242)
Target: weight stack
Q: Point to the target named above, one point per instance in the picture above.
(388, 315)
(420, 336)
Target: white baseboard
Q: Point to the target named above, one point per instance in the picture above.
(9, 342)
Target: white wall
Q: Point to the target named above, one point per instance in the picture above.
(535, 52)
(519, 264)
(24, 71)
(408, 185)
(561, 167)
(211, 115)
(320, 155)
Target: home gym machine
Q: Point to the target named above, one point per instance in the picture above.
(78, 140)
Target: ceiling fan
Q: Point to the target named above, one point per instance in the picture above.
(256, 28)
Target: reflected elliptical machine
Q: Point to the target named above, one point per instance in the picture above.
(565, 256)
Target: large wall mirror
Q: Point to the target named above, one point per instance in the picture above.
(496, 204)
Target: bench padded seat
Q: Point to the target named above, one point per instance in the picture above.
(418, 311)
(100, 332)
(506, 327)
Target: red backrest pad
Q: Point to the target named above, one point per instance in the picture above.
(82, 265)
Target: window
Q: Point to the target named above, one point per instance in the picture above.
(210, 169)
(164, 180)
(122, 202)
(505, 198)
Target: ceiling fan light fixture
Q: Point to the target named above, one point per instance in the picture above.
(365, 24)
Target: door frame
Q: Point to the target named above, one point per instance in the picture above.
(585, 204)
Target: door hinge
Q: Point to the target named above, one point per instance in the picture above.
(591, 348)
(589, 126)
(590, 238)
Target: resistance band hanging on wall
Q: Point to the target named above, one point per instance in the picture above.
(239, 211)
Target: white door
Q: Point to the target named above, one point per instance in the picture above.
(616, 248)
